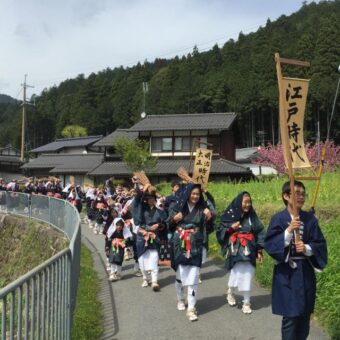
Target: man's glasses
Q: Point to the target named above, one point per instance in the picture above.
(301, 194)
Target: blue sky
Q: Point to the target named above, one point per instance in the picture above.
(51, 40)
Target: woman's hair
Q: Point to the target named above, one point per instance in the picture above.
(196, 186)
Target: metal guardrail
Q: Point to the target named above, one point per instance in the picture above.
(40, 304)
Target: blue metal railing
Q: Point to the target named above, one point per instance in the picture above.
(40, 304)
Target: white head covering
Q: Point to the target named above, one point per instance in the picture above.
(70, 195)
(113, 227)
(90, 193)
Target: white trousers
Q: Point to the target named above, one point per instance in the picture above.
(115, 268)
(149, 262)
(187, 276)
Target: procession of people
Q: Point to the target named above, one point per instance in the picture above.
(138, 223)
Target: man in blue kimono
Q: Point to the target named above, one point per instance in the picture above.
(294, 283)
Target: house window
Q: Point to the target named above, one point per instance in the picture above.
(200, 142)
(182, 144)
(167, 144)
(178, 144)
(203, 143)
(186, 145)
(156, 144)
(159, 144)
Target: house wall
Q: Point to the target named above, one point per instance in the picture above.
(10, 151)
(227, 145)
(73, 150)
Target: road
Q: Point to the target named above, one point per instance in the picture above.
(133, 312)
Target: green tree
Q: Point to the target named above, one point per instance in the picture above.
(135, 154)
(72, 131)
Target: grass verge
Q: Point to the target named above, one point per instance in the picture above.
(87, 317)
(24, 245)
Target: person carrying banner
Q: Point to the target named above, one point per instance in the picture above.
(294, 282)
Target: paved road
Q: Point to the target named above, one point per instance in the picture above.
(133, 312)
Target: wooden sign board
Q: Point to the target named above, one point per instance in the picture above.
(294, 102)
(202, 167)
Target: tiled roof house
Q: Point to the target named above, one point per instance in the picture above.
(171, 139)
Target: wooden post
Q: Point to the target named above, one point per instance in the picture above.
(285, 139)
(323, 156)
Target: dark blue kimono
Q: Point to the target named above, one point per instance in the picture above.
(191, 220)
(250, 225)
(116, 254)
(294, 289)
(144, 216)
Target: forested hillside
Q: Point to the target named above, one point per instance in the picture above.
(239, 76)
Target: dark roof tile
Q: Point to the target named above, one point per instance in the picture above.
(59, 144)
(10, 159)
(108, 140)
(197, 121)
(66, 163)
(169, 167)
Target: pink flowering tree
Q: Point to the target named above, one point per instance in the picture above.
(273, 156)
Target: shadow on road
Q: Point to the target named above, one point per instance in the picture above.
(213, 274)
(260, 301)
(210, 304)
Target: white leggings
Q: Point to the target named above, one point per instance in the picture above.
(154, 275)
(192, 293)
(115, 268)
(246, 294)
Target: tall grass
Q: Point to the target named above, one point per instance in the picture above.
(87, 317)
(267, 201)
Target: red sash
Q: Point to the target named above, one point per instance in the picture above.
(244, 238)
(149, 236)
(116, 243)
(185, 237)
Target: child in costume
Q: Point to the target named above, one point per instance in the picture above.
(115, 244)
(100, 212)
(241, 236)
(112, 215)
(91, 196)
(151, 222)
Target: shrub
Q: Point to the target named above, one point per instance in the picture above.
(273, 156)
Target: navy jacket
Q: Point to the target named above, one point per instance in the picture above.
(294, 289)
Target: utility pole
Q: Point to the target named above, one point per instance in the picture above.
(145, 91)
(24, 102)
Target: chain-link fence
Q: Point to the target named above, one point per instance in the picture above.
(39, 305)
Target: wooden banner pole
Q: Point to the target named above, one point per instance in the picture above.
(285, 139)
(317, 187)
